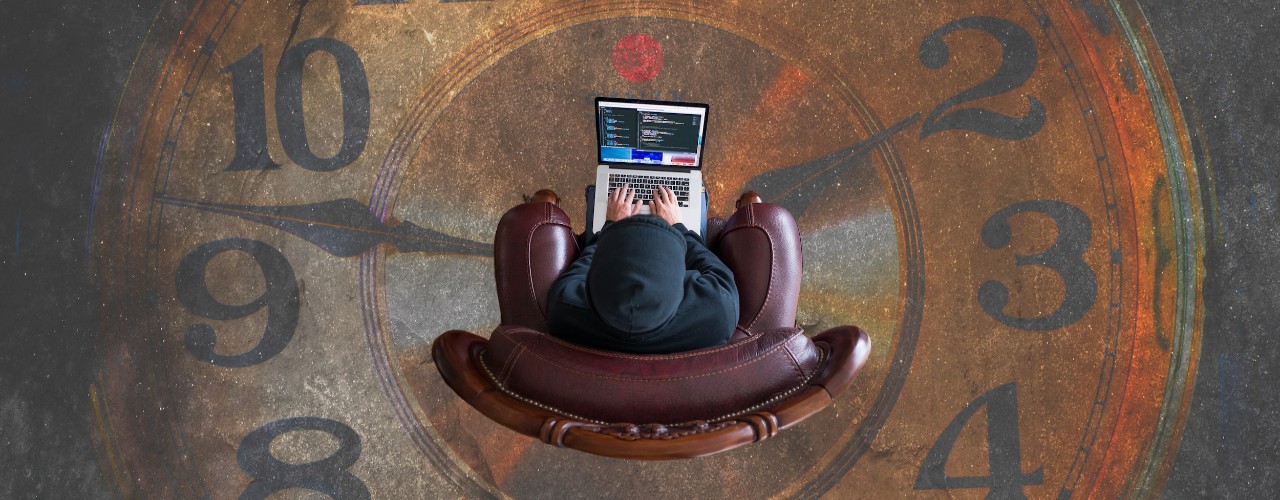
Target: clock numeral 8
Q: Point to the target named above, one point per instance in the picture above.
(280, 297)
(248, 95)
(1004, 452)
(328, 475)
(1065, 257)
(1017, 62)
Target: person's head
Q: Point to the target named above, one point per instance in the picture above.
(636, 280)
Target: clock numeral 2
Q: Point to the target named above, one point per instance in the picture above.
(248, 96)
(1004, 452)
(1017, 62)
(280, 297)
(328, 475)
(1066, 257)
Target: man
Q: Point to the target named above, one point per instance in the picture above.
(644, 284)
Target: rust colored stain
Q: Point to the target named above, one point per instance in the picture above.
(637, 57)
(777, 105)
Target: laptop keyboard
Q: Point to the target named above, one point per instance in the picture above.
(645, 185)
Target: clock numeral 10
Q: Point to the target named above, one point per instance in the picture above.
(249, 98)
(328, 475)
(280, 297)
(1004, 452)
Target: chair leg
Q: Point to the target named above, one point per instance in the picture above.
(534, 242)
(761, 245)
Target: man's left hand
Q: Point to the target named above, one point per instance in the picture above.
(621, 204)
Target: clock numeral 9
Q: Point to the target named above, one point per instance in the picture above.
(1017, 62)
(280, 297)
(248, 95)
(328, 475)
(1004, 452)
(1065, 257)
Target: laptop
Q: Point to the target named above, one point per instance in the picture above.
(648, 143)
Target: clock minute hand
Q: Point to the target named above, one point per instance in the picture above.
(343, 227)
(797, 187)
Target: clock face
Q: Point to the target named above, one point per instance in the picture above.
(302, 196)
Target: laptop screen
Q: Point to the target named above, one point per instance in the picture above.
(633, 131)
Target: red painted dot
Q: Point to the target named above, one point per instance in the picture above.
(637, 57)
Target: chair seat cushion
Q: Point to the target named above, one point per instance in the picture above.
(609, 387)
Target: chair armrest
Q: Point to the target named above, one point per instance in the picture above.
(850, 347)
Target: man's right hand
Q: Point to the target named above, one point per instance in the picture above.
(621, 204)
(666, 205)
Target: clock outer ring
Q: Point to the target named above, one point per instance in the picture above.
(1181, 370)
(138, 439)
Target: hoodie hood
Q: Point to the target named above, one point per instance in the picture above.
(636, 280)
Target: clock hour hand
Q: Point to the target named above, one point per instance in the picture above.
(797, 187)
(342, 227)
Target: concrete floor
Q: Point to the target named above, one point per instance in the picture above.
(63, 66)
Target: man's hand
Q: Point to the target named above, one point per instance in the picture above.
(666, 205)
(621, 204)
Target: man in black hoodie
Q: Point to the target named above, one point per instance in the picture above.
(644, 284)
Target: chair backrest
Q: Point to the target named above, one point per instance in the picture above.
(706, 384)
(650, 406)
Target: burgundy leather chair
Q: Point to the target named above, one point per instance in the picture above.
(767, 378)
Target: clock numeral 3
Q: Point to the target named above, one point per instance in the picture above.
(1004, 452)
(280, 297)
(1017, 62)
(328, 475)
(248, 95)
(1065, 257)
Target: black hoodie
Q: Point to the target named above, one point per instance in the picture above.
(644, 286)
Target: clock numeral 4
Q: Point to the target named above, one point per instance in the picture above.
(249, 98)
(1017, 62)
(280, 297)
(1004, 452)
(1065, 257)
(328, 475)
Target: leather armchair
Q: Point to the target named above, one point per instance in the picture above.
(770, 376)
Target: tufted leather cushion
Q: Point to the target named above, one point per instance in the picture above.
(603, 386)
